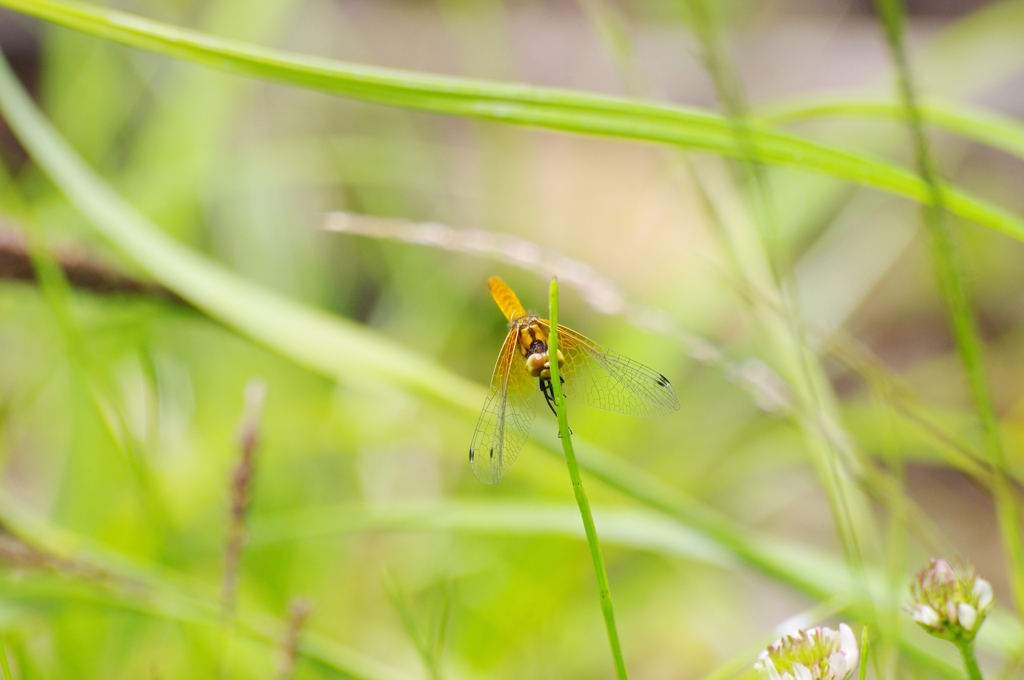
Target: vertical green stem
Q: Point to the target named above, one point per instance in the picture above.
(3, 661)
(958, 301)
(800, 367)
(581, 495)
(970, 662)
(865, 651)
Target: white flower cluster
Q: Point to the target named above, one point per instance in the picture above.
(950, 603)
(815, 654)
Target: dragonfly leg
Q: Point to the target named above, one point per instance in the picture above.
(549, 396)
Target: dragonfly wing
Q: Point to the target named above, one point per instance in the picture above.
(606, 380)
(507, 415)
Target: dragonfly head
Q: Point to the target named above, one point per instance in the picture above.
(539, 363)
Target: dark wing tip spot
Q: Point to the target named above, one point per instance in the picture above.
(471, 456)
(662, 380)
(492, 453)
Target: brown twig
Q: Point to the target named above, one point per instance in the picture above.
(22, 555)
(298, 613)
(241, 493)
(81, 270)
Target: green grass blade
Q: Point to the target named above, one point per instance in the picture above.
(865, 651)
(401, 605)
(99, 576)
(324, 343)
(822, 577)
(959, 303)
(3, 661)
(634, 529)
(173, 601)
(537, 107)
(160, 604)
(765, 267)
(985, 127)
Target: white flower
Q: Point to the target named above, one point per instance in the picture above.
(765, 667)
(949, 602)
(848, 644)
(814, 654)
(966, 615)
(925, 615)
(983, 591)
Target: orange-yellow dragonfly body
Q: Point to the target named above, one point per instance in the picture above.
(591, 375)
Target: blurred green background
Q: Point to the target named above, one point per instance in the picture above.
(119, 412)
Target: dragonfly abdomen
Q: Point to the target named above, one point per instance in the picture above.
(506, 299)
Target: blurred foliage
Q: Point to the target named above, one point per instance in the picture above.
(825, 410)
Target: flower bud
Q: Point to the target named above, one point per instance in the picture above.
(925, 615)
(950, 603)
(814, 654)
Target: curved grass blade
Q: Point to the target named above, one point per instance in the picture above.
(978, 125)
(634, 529)
(46, 593)
(327, 344)
(91, 575)
(565, 110)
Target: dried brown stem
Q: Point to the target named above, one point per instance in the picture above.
(298, 613)
(81, 270)
(241, 493)
(23, 556)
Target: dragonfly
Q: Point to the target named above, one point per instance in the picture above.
(590, 375)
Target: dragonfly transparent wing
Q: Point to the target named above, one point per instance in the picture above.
(603, 379)
(507, 415)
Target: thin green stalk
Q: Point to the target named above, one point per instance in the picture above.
(802, 370)
(3, 661)
(896, 539)
(57, 292)
(423, 646)
(865, 651)
(970, 661)
(581, 495)
(958, 301)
